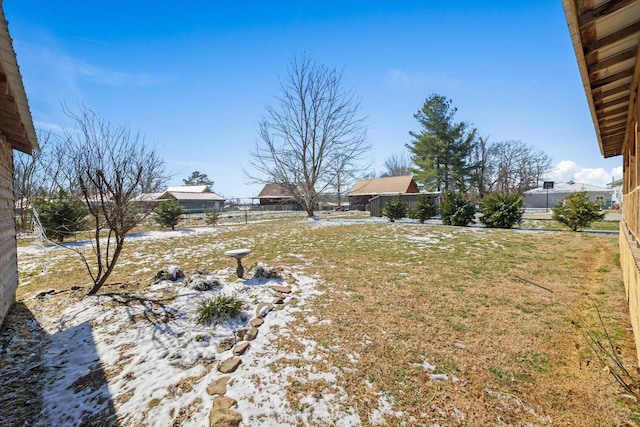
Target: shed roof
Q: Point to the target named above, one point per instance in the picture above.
(274, 191)
(569, 187)
(388, 185)
(190, 189)
(605, 36)
(16, 123)
(200, 197)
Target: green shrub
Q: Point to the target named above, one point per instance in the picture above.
(502, 210)
(425, 208)
(457, 210)
(61, 216)
(211, 218)
(577, 211)
(168, 213)
(395, 209)
(218, 308)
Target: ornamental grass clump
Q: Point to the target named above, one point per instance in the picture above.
(218, 309)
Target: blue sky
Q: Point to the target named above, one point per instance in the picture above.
(194, 76)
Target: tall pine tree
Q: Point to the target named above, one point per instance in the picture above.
(441, 150)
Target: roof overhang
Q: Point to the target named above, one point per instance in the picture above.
(606, 36)
(16, 123)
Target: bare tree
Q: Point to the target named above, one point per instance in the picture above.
(397, 165)
(312, 132)
(109, 166)
(510, 167)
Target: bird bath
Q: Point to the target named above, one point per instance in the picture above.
(238, 254)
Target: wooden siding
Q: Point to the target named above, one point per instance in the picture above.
(630, 225)
(8, 251)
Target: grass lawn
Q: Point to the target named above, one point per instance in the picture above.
(451, 325)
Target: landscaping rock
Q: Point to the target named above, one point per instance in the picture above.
(256, 323)
(227, 344)
(229, 365)
(281, 289)
(221, 417)
(240, 348)
(262, 309)
(219, 386)
(224, 402)
(278, 300)
(251, 334)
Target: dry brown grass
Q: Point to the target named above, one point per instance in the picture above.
(399, 295)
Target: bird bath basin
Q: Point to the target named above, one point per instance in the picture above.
(238, 254)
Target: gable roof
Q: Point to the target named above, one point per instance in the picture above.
(186, 196)
(387, 185)
(15, 118)
(606, 36)
(189, 189)
(274, 191)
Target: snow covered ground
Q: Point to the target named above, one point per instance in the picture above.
(142, 359)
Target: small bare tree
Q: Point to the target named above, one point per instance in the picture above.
(311, 137)
(109, 166)
(397, 165)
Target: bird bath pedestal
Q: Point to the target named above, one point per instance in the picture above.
(238, 254)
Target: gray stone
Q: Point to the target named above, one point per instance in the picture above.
(227, 344)
(257, 322)
(219, 386)
(262, 309)
(281, 289)
(224, 402)
(240, 348)
(229, 365)
(251, 334)
(221, 417)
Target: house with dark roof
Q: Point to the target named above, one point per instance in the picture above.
(274, 194)
(365, 189)
(16, 133)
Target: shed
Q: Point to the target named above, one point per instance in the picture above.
(16, 133)
(537, 197)
(274, 194)
(366, 189)
(376, 203)
(194, 198)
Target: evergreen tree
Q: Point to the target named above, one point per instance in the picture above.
(577, 211)
(425, 208)
(61, 216)
(168, 213)
(456, 210)
(502, 210)
(198, 178)
(442, 150)
(395, 209)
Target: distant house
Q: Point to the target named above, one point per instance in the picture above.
(537, 198)
(194, 198)
(366, 189)
(616, 193)
(278, 195)
(16, 133)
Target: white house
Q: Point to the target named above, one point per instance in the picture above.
(542, 198)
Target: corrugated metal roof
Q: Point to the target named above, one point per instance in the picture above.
(210, 196)
(15, 118)
(388, 185)
(190, 189)
(606, 35)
